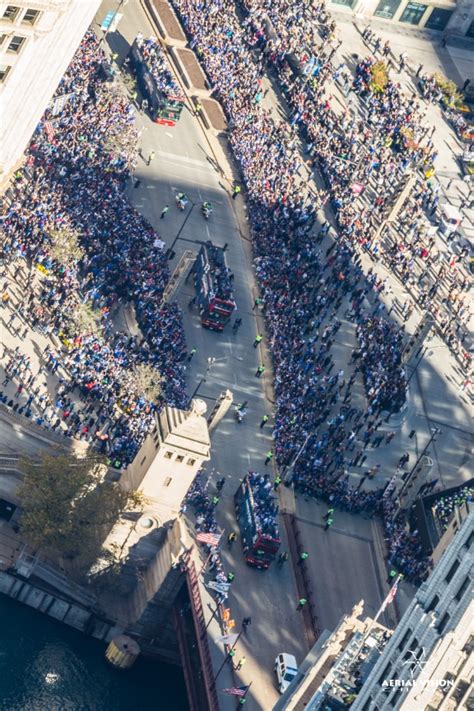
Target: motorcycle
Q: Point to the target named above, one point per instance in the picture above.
(181, 201)
(206, 211)
(240, 414)
(241, 411)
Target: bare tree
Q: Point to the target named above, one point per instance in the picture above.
(64, 246)
(144, 380)
(86, 319)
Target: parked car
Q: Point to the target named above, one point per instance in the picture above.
(286, 669)
(450, 219)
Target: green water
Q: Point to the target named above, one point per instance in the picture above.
(47, 666)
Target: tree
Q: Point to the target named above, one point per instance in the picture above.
(379, 77)
(68, 506)
(144, 380)
(64, 246)
(86, 319)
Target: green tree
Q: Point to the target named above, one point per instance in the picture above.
(68, 505)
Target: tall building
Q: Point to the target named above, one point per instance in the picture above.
(334, 669)
(427, 664)
(455, 17)
(38, 39)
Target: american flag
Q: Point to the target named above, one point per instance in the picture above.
(391, 595)
(212, 539)
(49, 130)
(237, 690)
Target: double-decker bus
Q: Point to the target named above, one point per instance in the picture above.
(156, 81)
(213, 284)
(256, 510)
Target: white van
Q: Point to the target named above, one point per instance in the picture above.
(286, 669)
(450, 219)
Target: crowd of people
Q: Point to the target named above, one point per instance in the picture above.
(380, 359)
(444, 506)
(157, 64)
(364, 155)
(316, 426)
(73, 190)
(266, 507)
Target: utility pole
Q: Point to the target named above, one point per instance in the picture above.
(413, 474)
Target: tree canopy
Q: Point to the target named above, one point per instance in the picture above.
(68, 506)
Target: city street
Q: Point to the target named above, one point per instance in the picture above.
(348, 562)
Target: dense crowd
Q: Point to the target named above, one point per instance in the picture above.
(444, 506)
(266, 508)
(364, 157)
(157, 64)
(78, 161)
(302, 287)
(380, 360)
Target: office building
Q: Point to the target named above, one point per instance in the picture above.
(454, 17)
(38, 39)
(426, 664)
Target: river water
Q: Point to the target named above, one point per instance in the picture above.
(47, 666)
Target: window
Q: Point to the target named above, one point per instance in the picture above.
(167, 481)
(30, 17)
(16, 44)
(168, 455)
(180, 458)
(432, 604)
(191, 462)
(395, 697)
(2, 39)
(464, 586)
(443, 623)
(452, 571)
(460, 690)
(11, 13)
(385, 674)
(4, 72)
(143, 461)
(413, 13)
(438, 19)
(346, 3)
(469, 646)
(387, 8)
(469, 541)
(404, 639)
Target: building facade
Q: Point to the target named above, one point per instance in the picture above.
(38, 39)
(454, 17)
(425, 665)
(331, 671)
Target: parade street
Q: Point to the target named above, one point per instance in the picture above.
(334, 411)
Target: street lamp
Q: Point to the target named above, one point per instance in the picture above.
(411, 475)
(210, 362)
(288, 478)
(170, 253)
